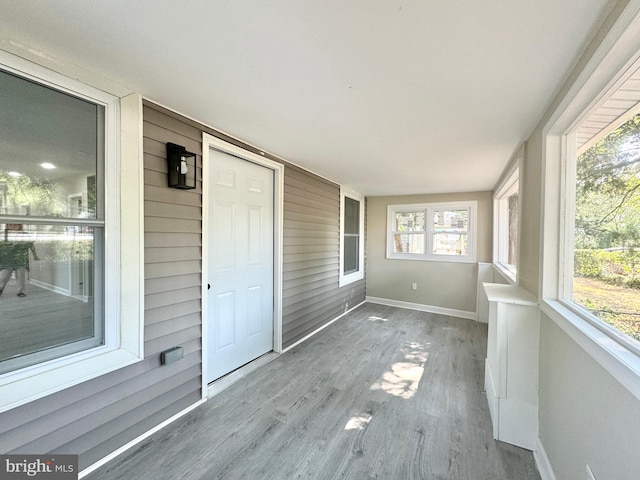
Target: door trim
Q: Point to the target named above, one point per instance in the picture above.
(208, 142)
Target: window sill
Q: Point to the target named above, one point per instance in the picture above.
(32, 383)
(425, 258)
(505, 273)
(351, 278)
(124, 297)
(622, 363)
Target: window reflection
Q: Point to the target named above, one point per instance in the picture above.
(47, 286)
(408, 243)
(51, 223)
(52, 144)
(450, 227)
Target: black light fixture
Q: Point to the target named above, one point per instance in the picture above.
(182, 167)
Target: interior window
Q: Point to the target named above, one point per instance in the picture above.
(351, 238)
(444, 232)
(450, 231)
(351, 235)
(409, 232)
(51, 223)
(506, 212)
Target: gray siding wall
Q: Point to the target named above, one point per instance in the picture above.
(311, 296)
(96, 417)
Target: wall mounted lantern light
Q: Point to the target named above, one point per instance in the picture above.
(182, 167)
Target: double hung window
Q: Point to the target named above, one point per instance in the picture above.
(52, 222)
(62, 183)
(351, 237)
(441, 232)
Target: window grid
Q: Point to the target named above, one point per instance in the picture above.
(432, 231)
(74, 210)
(351, 238)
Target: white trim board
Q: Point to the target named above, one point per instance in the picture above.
(212, 142)
(359, 273)
(620, 362)
(542, 462)
(452, 312)
(321, 328)
(225, 382)
(123, 267)
(137, 440)
(211, 390)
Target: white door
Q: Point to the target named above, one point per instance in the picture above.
(240, 263)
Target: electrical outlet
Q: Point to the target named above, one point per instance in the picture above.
(590, 475)
(414, 286)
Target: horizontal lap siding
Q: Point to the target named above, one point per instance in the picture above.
(311, 296)
(311, 242)
(172, 246)
(101, 415)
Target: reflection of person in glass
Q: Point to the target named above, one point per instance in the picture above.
(14, 257)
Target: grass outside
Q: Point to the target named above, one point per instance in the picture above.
(616, 305)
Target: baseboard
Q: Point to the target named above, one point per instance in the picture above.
(322, 327)
(225, 382)
(212, 390)
(542, 462)
(53, 288)
(137, 440)
(423, 308)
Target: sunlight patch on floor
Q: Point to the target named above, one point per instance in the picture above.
(376, 319)
(404, 377)
(358, 422)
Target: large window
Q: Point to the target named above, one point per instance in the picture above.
(590, 207)
(52, 223)
(61, 187)
(506, 214)
(441, 232)
(606, 230)
(351, 237)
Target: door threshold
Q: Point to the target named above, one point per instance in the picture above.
(229, 379)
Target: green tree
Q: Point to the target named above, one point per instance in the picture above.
(608, 190)
(38, 196)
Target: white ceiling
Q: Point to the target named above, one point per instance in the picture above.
(384, 96)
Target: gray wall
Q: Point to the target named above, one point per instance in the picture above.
(586, 416)
(311, 295)
(440, 284)
(97, 417)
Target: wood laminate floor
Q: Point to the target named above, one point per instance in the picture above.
(383, 393)
(42, 319)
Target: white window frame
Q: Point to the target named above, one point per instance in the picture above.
(505, 189)
(429, 208)
(600, 75)
(359, 274)
(124, 275)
